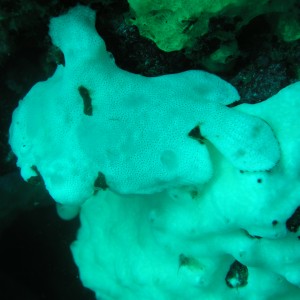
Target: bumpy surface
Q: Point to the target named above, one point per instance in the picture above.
(233, 238)
(92, 124)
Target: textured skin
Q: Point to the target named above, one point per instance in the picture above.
(133, 129)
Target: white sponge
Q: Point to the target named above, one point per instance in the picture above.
(236, 237)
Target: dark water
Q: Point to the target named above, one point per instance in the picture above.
(35, 257)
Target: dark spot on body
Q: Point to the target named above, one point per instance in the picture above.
(195, 134)
(87, 100)
(237, 275)
(100, 183)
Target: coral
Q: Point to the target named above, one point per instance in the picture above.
(177, 24)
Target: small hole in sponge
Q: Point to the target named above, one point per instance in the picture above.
(169, 159)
